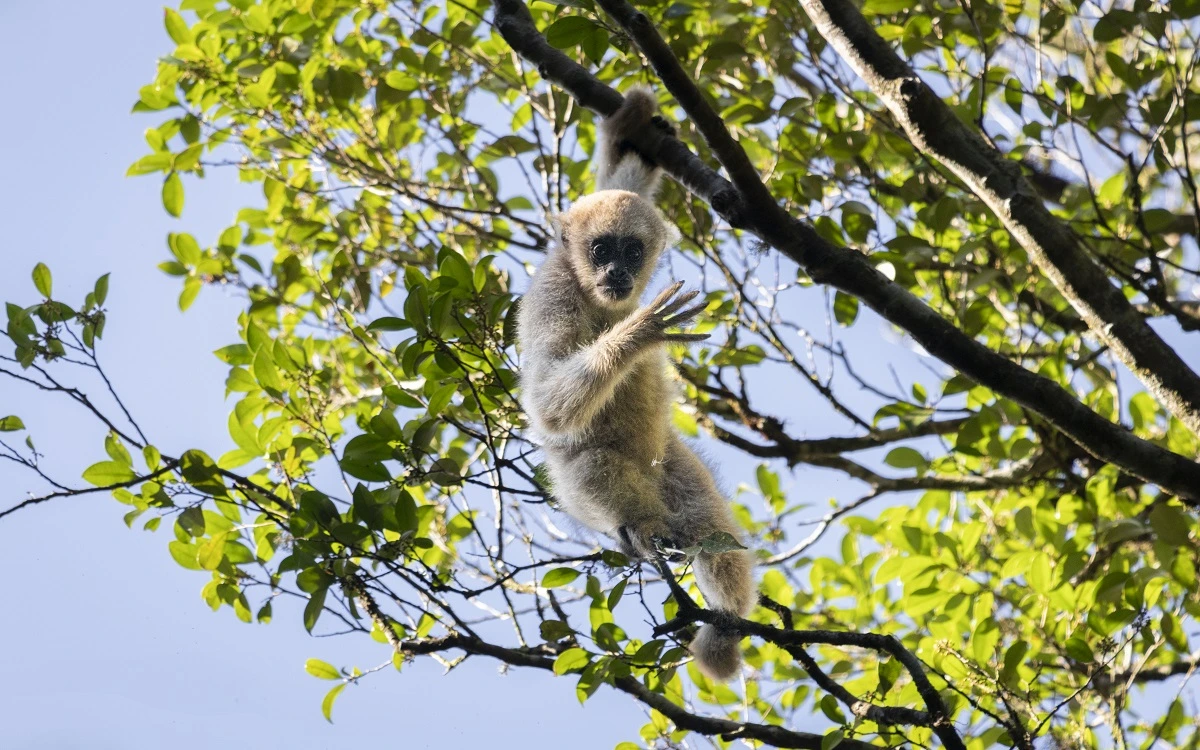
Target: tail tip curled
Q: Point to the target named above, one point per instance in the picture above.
(718, 655)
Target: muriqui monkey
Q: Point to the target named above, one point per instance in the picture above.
(596, 389)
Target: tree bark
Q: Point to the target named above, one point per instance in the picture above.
(935, 130)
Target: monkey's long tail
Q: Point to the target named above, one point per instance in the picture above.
(727, 584)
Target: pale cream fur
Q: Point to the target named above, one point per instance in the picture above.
(595, 388)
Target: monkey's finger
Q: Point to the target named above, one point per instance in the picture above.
(685, 316)
(678, 302)
(684, 337)
(661, 123)
(665, 295)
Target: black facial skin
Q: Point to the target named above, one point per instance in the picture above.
(616, 262)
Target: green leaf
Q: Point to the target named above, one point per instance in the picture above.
(569, 31)
(116, 450)
(41, 279)
(108, 473)
(1013, 659)
(1170, 523)
(234, 354)
(845, 308)
(1039, 575)
(212, 552)
(191, 289)
(888, 671)
(172, 194)
(231, 238)
(152, 457)
(156, 162)
(833, 739)
(832, 709)
(885, 7)
(905, 458)
(554, 630)
(321, 669)
(266, 372)
(176, 27)
(401, 81)
(571, 660)
(559, 577)
(185, 248)
(1112, 191)
(11, 423)
(614, 596)
(185, 555)
(330, 697)
(101, 291)
(388, 324)
(312, 610)
(1079, 650)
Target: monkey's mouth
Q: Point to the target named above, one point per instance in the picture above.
(616, 292)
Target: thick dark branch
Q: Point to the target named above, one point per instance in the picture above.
(853, 274)
(515, 24)
(939, 718)
(826, 453)
(934, 129)
(1163, 671)
(710, 124)
(770, 735)
(882, 715)
(543, 658)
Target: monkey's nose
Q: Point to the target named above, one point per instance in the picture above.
(618, 283)
(618, 277)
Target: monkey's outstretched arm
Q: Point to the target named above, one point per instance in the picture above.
(573, 389)
(618, 165)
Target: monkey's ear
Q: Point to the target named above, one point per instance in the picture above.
(558, 223)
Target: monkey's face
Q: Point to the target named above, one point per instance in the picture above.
(616, 261)
(614, 239)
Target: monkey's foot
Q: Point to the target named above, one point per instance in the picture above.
(648, 546)
(668, 549)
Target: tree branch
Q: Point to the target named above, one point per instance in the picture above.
(854, 275)
(939, 719)
(169, 465)
(935, 130)
(543, 658)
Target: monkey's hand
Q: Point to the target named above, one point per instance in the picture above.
(647, 539)
(668, 310)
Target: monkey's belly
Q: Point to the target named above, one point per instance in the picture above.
(605, 486)
(612, 474)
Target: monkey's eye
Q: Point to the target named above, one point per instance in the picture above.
(633, 250)
(601, 251)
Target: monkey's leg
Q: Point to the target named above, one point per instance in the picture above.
(614, 494)
(725, 578)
